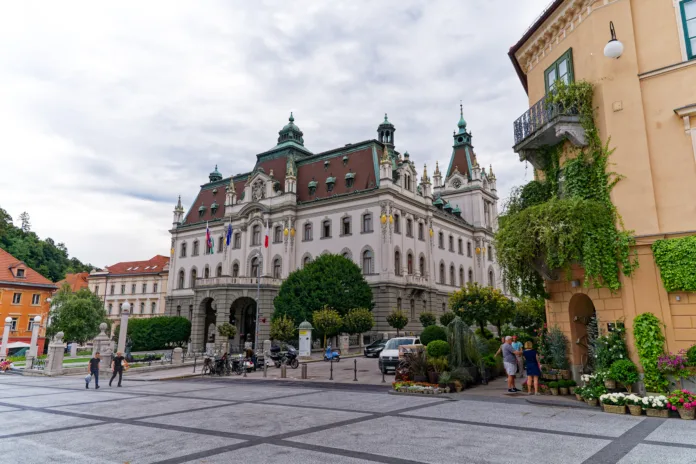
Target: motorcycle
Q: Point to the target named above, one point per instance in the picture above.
(275, 355)
(290, 357)
(332, 354)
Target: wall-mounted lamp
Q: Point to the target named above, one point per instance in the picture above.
(613, 49)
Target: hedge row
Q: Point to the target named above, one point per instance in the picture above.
(157, 333)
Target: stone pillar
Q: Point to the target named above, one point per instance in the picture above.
(33, 348)
(222, 315)
(73, 349)
(56, 351)
(5, 337)
(178, 356)
(102, 345)
(344, 344)
(125, 312)
(197, 330)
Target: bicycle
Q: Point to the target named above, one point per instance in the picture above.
(208, 368)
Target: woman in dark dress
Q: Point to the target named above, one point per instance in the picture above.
(533, 370)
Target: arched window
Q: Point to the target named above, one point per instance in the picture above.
(471, 276)
(142, 308)
(397, 224)
(413, 309)
(255, 266)
(235, 270)
(491, 278)
(326, 229)
(452, 275)
(421, 266)
(218, 271)
(183, 250)
(256, 235)
(468, 249)
(367, 262)
(221, 240)
(442, 273)
(409, 264)
(346, 254)
(206, 272)
(367, 222)
(194, 275)
(181, 279)
(460, 247)
(277, 234)
(461, 276)
(490, 253)
(397, 262)
(178, 311)
(306, 261)
(307, 232)
(451, 243)
(195, 248)
(276, 268)
(153, 308)
(398, 304)
(421, 235)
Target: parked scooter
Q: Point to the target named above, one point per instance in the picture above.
(332, 354)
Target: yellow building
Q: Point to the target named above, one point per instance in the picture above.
(645, 104)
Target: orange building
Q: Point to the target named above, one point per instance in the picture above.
(23, 295)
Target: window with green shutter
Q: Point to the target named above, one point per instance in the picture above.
(560, 70)
(688, 12)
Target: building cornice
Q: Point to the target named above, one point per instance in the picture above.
(31, 285)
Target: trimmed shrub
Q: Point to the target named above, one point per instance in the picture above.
(438, 349)
(432, 333)
(427, 319)
(446, 318)
(157, 333)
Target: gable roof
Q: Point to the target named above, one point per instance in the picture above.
(9, 263)
(76, 281)
(154, 265)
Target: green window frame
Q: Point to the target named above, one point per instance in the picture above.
(561, 69)
(688, 15)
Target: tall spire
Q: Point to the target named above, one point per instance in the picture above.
(437, 169)
(462, 123)
(425, 173)
(178, 205)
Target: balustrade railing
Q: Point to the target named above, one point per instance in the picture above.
(228, 280)
(540, 114)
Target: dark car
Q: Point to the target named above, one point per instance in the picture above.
(375, 348)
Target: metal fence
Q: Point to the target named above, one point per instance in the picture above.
(541, 113)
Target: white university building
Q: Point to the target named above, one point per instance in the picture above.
(416, 239)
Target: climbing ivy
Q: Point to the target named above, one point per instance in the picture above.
(650, 344)
(566, 215)
(676, 258)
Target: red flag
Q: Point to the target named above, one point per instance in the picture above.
(265, 240)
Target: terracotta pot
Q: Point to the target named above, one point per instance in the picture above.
(563, 391)
(613, 409)
(554, 391)
(664, 413)
(565, 374)
(635, 410)
(591, 401)
(610, 384)
(687, 414)
(433, 377)
(578, 397)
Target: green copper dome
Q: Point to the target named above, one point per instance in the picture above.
(290, 133)
(215, 175)
(305, 326)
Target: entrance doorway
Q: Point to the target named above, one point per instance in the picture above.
(210, 312)
(243, 311)
(581, 311)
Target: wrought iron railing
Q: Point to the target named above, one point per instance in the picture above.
(540, 114)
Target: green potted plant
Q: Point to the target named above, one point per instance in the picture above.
(563, 387)
(656, 406)
(614, 403)
(684, 402)
(634, 404)
(553, 386)
(437, 350)
(572, 385)
(624, 372)
(578, 393)
(445, 379)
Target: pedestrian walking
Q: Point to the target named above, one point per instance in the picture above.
(517, 346)
(510, 362)
(531, 356)
(94, 370)
(117, 366)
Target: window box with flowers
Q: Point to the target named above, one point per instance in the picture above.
(684, 402)
(656, 406)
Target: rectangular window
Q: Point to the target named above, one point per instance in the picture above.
(397, 224)
(307, 232)
(421, 228)
(142, 308)
(346, 225)
(13, 324)
(277, 235)
(195, 248)
(367, 223)
(688, 12)
(96, 289)
(451, 243)
(409, 227)
(155, 288)
(459, 246)
(560, 70)
(133, 288)
(237, 240)
(326, 229)
(468, 249)
(153, 308)
(256, 235)
(111, 308)
(145, 288)
(17, 298)
(20, 272)
(35, 299)
(123, 289)
(221, 241)
(113, 289)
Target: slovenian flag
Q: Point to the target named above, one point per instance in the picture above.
(229, 233)
(208, 239)
(265, 240)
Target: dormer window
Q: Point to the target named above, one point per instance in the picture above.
(350, 179)
(345, 160)
(312, 187)
(20, 273)
(201, 211)
(330, 182)
(214, 207)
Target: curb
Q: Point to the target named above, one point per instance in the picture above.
(421, 395)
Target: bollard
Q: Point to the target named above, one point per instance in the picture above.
(304, 371)
(194, 364)
(383, 381)
(244, 367)
(355, 370)
(331, 376)
(283, 371)
(265, 368)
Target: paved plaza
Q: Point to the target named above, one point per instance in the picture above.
(250, 421)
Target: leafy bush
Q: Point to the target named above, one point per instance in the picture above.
(676, 258)
(553, 385)
(691, 356)
(438, 348)
(558, 348)
(397, 319)
(445, 378)
(427, 319)
(432, 333)
(489, 361)
(227, 330)
(624, 372)
(156, 333)
(610, 348)
(438, 364)
(283, 329)
(650, 343)
(327, 321)
(358, 320)
(487, 334)
(462, 375)
(446, 318)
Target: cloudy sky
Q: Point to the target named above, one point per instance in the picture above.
(108, 112)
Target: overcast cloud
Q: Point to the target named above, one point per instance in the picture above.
(109, 111)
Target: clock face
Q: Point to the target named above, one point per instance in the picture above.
(456, 183)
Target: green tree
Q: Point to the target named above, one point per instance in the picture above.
(227, 330)
(475, 304)
(283, 329)
(26, 222)
(427, 319)
(330, 280)
(358, 321)
(397, 319)
(328, 321)
(529, 314)
(77, 315)
(446, 318)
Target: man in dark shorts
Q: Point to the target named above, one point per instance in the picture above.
(94, 369)
(117, 367)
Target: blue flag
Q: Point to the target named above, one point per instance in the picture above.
(229, 233)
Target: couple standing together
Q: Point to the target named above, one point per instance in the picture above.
(117, 366)
(513, 360)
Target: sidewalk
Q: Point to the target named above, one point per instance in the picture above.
(498, 389)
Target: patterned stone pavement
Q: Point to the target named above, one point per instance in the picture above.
(216, 421)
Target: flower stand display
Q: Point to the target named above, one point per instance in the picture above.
(684, 402)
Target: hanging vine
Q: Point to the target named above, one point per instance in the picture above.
(566, 216)
(676, 258)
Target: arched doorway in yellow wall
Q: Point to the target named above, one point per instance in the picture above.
(581, 311)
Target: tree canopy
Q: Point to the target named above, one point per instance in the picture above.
(479, 305)
(44, 256)
(156, 333)
(283, 329)
(330, 280)
(529, 314)
(77, 315)
(358, 320)
(397, 319)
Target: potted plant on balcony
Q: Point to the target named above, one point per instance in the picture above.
(684, 402)
(614, 403)
(656, 406)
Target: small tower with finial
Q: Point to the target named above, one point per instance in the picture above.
(385, 167)
(178, 214)
(491, 179)
(230, 196)
(290, 176)
(426, 186)
(385, 132)
(437, 176)
(215, 175)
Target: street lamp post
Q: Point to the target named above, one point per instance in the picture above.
(125, 311)
(5, 337)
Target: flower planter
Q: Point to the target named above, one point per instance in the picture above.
(650, 412)
(578, 397)
(563, 391)
(554, 391)
(571, 390)
(635, 410)
(687, 414)
(420, 378)
(591, 401)
(610, 384)
(564, 374)
(613, 409)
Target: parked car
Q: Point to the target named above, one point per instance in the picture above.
(389, 357)
(375, 348)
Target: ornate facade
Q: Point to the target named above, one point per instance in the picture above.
(416, 240)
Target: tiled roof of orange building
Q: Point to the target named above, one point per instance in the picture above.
(76, 281)
(8, 272)
(152, 266)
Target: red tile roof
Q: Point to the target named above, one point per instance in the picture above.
(76, 281)
(8, 269)
(152, 266)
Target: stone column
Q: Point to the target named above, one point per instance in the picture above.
(102, 345)
(33, 348)
(197, 330)
(5, 338)
(125, 312)
(73, 349)
(178, 356)
(56, 351)
(222, 316)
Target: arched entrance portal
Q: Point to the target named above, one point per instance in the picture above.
(208, 308)
(581, 311)
(243, 312)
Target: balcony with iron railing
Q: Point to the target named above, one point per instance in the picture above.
(229, 280)
(546, 124)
